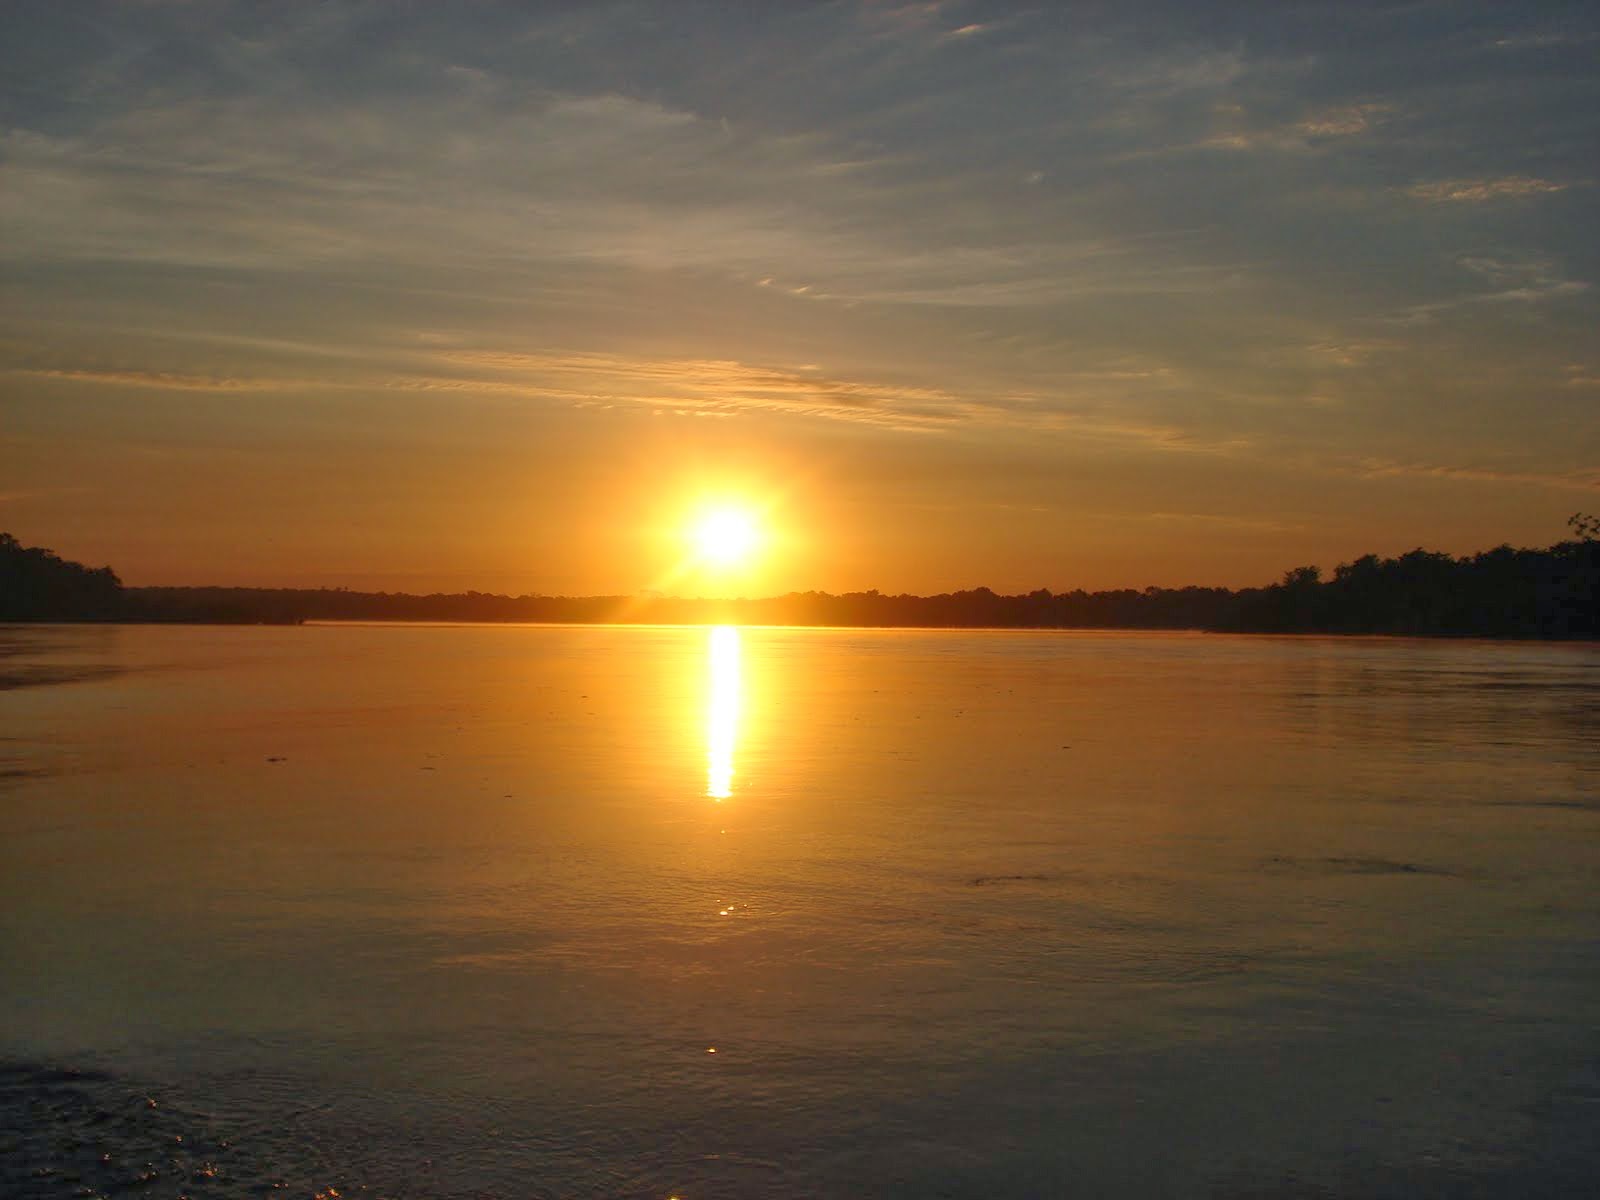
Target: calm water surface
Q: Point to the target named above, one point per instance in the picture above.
(536, 911)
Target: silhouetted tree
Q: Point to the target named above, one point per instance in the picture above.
(38, 585)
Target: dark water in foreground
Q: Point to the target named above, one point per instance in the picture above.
(517, 911)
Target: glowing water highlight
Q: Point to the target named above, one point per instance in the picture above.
(722, 710)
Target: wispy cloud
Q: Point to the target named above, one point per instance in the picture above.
(21, 495)
(1512, 279)
(1351, 353)
(1544, 39)
(1481, 191)
(1084, 406)
(1240, 130)
(1520, 279)
(1147, 434)
(1346, 121)
(708, 386)
(1224, 521)
(160, 380)
(1580, 480)
(240, 184)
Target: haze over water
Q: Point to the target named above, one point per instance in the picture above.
(551, 911)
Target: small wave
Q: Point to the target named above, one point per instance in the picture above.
(22, 675)
(1356, 865)
(992, 880)
(11, 771)
(72, 1132)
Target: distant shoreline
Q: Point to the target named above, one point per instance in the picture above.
(469, 623)
(1505, 593)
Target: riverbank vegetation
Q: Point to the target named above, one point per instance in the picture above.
(1553, 592)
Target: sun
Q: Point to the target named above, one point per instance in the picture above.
(726, 537)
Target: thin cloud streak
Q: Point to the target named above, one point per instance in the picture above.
(1482, 191)
(1579, 481)
(170, 381)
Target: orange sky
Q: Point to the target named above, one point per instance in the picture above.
(955, 294)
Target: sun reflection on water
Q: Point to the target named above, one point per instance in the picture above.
(722, 713)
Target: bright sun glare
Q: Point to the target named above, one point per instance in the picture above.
(726, 536)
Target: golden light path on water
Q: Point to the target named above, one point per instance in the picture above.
(722, 711)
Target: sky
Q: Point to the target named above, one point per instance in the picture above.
(419, 297)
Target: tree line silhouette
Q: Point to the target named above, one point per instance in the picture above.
(38, 585)
(1552, 592)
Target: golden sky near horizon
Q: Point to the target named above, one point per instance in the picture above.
(946, 294)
